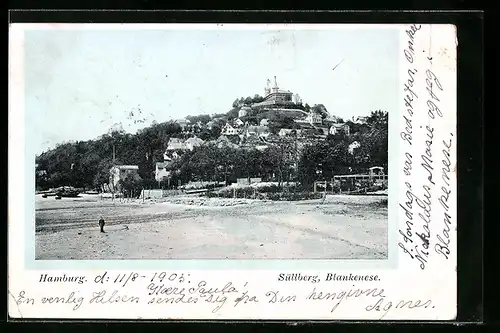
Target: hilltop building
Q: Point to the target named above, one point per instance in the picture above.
(276, 98)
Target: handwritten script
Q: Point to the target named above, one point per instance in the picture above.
(423, 178)
(173, 289)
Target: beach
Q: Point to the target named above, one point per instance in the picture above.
(191, 227)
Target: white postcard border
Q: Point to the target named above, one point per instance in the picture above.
(407, 292)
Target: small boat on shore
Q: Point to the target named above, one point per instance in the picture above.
(67, 192)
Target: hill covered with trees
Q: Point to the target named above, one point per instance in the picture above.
(86, 164)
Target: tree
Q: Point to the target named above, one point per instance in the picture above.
(323, 161)
(279, 159)
(257, 98)
(309, 162)
(131, 185)
(247, 163)
(278, 121)
(373, 140)
(248, 101)
(203, 118)
(357, 128)
(320, 109)
(378, 119)
(103, 172)
(233, 113)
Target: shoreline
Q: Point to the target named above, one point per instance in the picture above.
(329, 228)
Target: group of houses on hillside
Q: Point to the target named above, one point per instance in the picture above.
(239, 133)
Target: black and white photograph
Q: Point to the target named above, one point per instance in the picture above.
(264, 171)
(211, 143)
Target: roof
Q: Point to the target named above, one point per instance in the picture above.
(126, 167)
(306, 126)
(175, 140)
(252, 140)
(339, 125)
(258, 129)
(161, 165)
(176, 143)
(194, 140)
(225, 141)
(284, 91)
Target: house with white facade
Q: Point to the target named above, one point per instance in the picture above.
(264, 122)
(210, 124)
(228, 129)
(314, 118)
(193, 142)
(286, 132)
(161, 172)
(259, 131)
(244, 111)
(176, 144)
(353, 146)
(238, 123)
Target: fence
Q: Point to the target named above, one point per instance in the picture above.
(352, 184)
(246, 181)
(274, 192)
(152, 194)
(158, 193)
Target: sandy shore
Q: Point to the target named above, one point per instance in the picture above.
(339, 227)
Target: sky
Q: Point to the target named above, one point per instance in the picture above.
(79, 82)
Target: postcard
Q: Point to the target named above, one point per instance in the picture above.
(232, 171)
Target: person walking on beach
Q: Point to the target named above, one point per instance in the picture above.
(101, 224)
